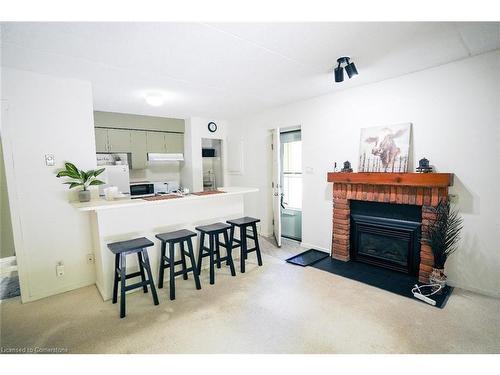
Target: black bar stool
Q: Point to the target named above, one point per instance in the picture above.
(243, 223)
(179, 236)
(214, 231)
(121, 250)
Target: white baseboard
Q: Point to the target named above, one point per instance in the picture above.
(489, 293)
(312, 246)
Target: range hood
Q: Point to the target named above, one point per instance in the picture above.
(164, 157)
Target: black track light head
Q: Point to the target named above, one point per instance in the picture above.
(350, 68)
(339, 74)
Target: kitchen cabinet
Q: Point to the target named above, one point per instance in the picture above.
(138, 149)
(119, 140)
(156, 142)
(174, 143)
(101, 140)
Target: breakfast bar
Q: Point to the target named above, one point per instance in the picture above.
(123, 219)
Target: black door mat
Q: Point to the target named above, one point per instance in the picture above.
(9, 287)
(392, 281)
(308, 257)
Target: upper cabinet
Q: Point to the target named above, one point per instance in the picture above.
(119, 140)
(138, 149)
(174, 143)
(156, 142)
(138, 135)
(101, 140)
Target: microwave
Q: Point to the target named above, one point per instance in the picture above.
(142, 189)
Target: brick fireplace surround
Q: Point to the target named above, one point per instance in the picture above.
(422, 189)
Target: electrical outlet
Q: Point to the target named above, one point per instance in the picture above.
(60, 269)
(50, 160)
(90, 258)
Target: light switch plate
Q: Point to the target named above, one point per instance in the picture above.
(50, 160)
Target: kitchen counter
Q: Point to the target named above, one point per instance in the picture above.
(102, 204)
(124, 219)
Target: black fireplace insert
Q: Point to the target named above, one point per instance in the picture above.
(386, 235)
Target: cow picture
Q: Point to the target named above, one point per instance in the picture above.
(385, 148)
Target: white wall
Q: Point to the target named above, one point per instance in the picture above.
(192, 170)
(455, 110)
(47, 115)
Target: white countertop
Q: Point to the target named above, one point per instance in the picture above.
(102, 204)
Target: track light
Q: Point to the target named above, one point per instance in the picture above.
(350, 68)
(339, 74)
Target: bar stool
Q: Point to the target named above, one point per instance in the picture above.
(121, 250)
(243, 223)
(214, 231)
(171, 238)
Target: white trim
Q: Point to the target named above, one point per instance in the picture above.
(484, 292)
(312, 246)
(10, 178)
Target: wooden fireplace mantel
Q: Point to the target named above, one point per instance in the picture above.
(395, 179)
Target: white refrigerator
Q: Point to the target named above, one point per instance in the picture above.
(115, 175)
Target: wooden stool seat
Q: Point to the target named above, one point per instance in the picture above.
(171, 238)
(121, 250)
(176, 235)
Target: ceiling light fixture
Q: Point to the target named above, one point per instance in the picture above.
(155, 100)
(350, 68)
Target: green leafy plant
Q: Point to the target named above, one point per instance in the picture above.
(443, 233)
(79, 177)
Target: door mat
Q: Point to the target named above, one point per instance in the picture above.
(9, 287)
(308, 257)
(391, 281)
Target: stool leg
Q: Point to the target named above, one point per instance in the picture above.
(123, 279)
(172, 270)
(212, 250)
(200, 251)
(257, 247)
(244, 228)
(231, 240)
(229, 255)
(141, 270)
(217, 249)
(193, 264)
(243, 256)
(161, 272)
(147, 267)
(183, 257)
(115, 281)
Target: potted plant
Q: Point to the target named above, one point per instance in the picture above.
(81, 178)
(443, 234)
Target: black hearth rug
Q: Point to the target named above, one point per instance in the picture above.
(392, 281)
(308, 257)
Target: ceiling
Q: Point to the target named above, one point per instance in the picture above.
(227, 70)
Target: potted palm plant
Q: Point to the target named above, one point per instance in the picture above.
(81, 178)
(443, 234)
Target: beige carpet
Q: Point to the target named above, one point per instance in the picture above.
(277, 308)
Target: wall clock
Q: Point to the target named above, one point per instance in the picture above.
(212, 127)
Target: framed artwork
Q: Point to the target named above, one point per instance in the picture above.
(385, 148)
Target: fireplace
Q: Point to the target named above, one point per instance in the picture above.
(380, 218)
(386, 235)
